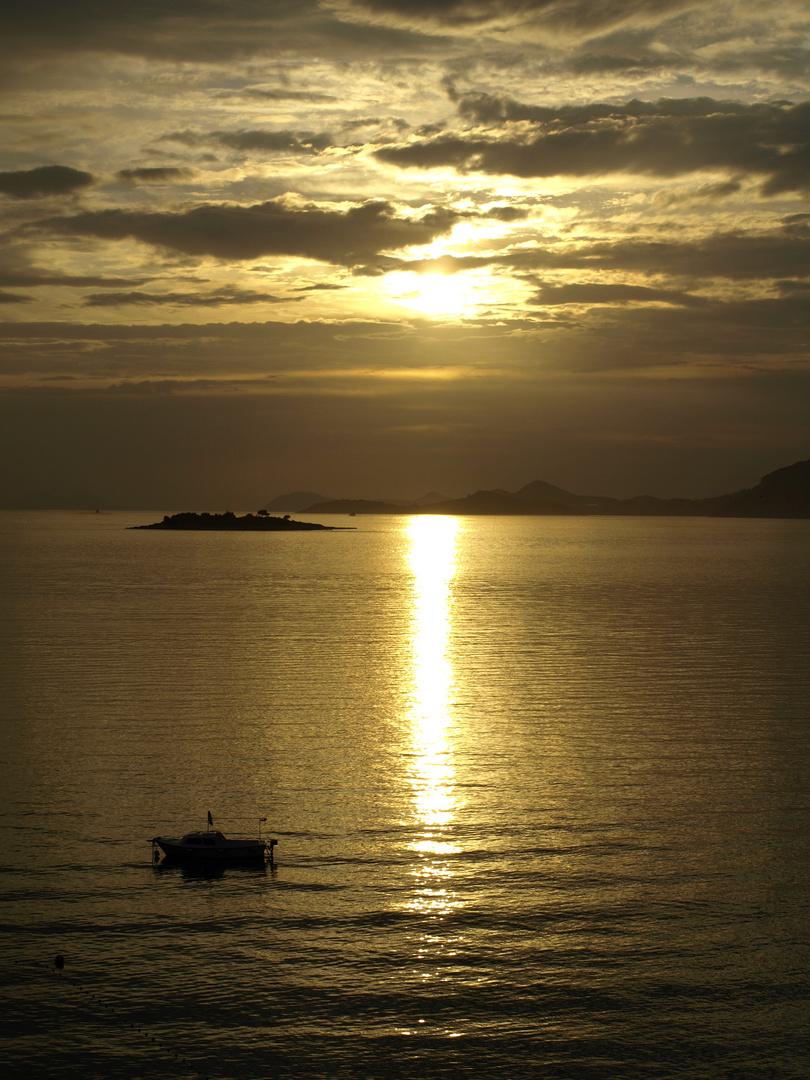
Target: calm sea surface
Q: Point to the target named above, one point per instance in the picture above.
(540, 788)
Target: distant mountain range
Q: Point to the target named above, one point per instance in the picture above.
(294, 502)
(784, 493)
(298, 501)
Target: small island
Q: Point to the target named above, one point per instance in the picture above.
(261, 522)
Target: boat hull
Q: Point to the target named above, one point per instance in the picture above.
(174, 850)
(213, 848)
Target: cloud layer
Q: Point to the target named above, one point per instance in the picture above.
(345, 237)
(42, 181)
(666, 138)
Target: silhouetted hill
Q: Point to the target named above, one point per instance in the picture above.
(783, 493)
(295, 501)
(358, 506)
(499, 502)
(538, 491)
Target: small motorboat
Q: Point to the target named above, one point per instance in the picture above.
(212, 846)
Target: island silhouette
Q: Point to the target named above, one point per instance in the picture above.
(784, 493)
(261, 522)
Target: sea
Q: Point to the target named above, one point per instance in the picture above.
(539, 786)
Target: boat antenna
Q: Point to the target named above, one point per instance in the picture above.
(210, 821)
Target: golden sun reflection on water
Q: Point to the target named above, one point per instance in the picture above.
(432, 560)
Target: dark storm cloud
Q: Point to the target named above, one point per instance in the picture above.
(665, 138)
(272, 228)
(43, 181)
(224, 297)
(157, 175)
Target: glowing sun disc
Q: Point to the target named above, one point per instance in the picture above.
(436, 294)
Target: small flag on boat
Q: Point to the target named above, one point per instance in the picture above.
(210, 820)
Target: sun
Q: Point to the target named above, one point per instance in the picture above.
(435, 295)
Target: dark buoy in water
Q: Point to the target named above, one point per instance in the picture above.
(59, 961)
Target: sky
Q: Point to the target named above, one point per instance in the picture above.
(376, 248)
